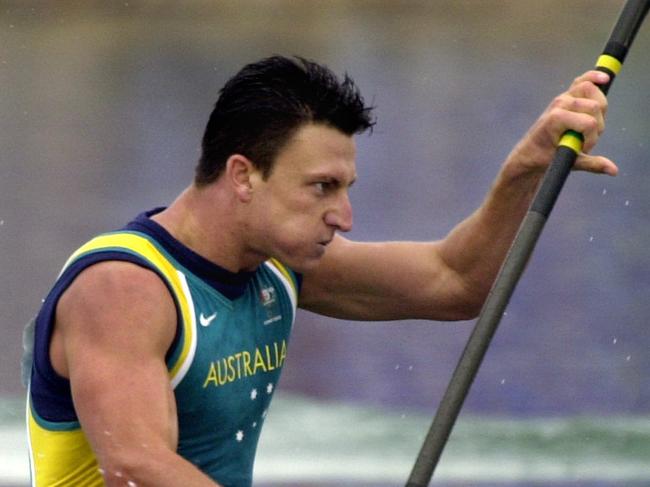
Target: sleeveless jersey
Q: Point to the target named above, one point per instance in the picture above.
(224, 364)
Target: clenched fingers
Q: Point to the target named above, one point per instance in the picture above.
(582, 108)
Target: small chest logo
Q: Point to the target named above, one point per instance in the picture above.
(267, 296)
(206, 320)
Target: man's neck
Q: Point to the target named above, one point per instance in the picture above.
(205, 220)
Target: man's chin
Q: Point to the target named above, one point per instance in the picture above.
(304, 263)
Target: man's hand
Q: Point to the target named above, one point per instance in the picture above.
(581, 108)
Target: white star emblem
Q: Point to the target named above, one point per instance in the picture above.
(253, 394)
(269, 388)
(239, 436)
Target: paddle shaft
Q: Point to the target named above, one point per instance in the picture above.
(570, 145)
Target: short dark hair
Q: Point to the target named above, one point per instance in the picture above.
(266, 102)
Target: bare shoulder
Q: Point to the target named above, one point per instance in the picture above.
(114, 305)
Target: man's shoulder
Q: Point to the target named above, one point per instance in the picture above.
(113, 293)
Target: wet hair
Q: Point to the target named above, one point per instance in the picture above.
(260, 109)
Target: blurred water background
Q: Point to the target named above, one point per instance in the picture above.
(102, 107)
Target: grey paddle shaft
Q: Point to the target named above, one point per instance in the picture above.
(610, 61)
(475, 349)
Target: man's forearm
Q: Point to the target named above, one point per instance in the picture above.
(152, 469)
(477, 246)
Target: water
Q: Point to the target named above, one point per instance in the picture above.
(317, 443)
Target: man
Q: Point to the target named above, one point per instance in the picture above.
(158, 349)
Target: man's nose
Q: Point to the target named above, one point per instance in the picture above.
(341, 216)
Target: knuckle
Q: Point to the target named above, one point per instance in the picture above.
(556, 114)
(592, 106)
(592, 126)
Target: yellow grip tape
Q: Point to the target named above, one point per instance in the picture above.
(572, 140)
(609, 62)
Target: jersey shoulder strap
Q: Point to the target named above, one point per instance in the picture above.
(152, 254)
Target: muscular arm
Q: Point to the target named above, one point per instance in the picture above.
(450, 279)
(443, 280)
(113, 327)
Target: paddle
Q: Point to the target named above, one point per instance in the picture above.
(570, 145)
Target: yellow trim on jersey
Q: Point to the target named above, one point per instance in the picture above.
(61, 458)
(609, 62)
(285, 272)
(288, 282)
(148, 250)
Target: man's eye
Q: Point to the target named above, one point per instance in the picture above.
(322, 186)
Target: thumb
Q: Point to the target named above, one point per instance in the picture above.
(596, 164)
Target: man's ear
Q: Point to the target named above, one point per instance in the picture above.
(241, 174)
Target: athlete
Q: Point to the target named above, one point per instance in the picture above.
(159, 347)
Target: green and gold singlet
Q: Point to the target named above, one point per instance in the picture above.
(224, 364)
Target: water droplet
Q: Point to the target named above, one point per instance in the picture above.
(628, 358)
(627, 202)
(503, 381)
(107, 433)
(118, 474)
(623, 129)
(604, 191)
(254, 424)
(403, 416)
(2, 222)
(614, 341)
(131, 483)
(101, 471)
(591, 239)
(410, 367)
(397, 367)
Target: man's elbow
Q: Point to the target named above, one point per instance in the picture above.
(463, 312)
(129, 466)
(122, 470)
(471, 302)
(472, 310)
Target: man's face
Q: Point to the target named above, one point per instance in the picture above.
(304, 201)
